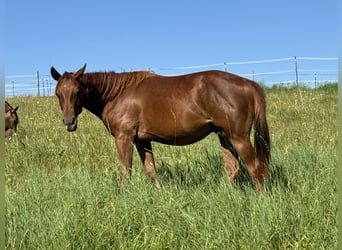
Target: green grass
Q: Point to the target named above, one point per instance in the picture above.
(62, 190)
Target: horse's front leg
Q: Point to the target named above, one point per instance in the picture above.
(145, 151)
(124, 145)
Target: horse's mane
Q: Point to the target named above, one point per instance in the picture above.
(111, 84)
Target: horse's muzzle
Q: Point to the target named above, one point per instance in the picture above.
(70, 123)
(10, 132)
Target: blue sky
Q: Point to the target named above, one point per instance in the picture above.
(129, 35)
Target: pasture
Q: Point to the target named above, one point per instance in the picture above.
(62, 188)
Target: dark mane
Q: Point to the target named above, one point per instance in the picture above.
(111, 84)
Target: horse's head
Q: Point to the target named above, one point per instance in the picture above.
(11, 120)
(70, 94)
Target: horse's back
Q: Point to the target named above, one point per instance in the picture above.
(199, 93)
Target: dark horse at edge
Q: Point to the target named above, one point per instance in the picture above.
(140, 107)
(11, 120)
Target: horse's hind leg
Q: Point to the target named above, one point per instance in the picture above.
(230, 158)
(145, 152)
(257, 170)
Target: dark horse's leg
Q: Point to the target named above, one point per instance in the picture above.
(230, 158)
(145, 151)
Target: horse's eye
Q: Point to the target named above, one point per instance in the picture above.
(79, 93)
(58, 95)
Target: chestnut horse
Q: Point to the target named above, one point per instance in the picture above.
(140, 107)
(11, 120)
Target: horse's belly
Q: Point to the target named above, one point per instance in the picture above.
(177, 136)
(179, 140)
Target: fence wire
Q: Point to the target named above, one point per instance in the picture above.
(308, 71)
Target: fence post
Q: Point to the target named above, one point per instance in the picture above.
(38, 90)
(296, 70)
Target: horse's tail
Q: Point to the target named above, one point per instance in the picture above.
(261, 133)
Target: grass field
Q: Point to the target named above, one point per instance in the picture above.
(62, 190)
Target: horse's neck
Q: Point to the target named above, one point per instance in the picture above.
(94, 104)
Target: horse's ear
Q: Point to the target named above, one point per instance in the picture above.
(80, 72)
(54, 73)
(15, 109)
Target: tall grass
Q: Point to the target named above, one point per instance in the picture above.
(62, 190)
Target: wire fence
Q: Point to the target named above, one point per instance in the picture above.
(292, 71)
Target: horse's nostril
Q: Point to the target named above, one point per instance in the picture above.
(69, 121)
